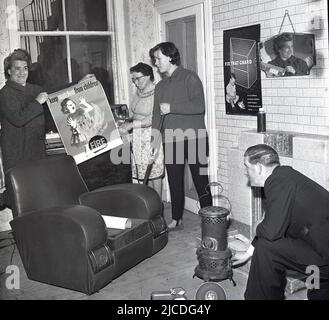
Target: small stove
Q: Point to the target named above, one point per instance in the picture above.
(213, 255)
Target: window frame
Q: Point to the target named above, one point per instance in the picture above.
(118, 43)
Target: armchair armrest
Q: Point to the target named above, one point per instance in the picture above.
(124, 200)
(65, 246)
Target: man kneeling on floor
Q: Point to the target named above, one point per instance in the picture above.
(294, 233)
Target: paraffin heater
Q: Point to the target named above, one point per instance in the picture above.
(213, 255)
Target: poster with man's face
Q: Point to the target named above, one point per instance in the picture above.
(288, 54)
(242, 81)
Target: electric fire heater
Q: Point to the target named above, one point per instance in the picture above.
(213, 254)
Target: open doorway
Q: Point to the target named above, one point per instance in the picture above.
(190, 29)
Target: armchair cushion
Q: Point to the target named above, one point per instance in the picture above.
(118, 239)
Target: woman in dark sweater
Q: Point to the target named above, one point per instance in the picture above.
(21, 113)
(179, 99)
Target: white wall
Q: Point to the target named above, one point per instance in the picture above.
(142, 33)
(4, 39)
(142, 29)
(298, 104)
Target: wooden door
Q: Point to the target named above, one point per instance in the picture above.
(185, 28)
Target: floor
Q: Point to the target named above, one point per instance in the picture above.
(171, 267)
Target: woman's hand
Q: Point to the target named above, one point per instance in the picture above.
(164, 108)
(125, 127)
(42, 97)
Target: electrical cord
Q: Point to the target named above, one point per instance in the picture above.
(136, 166)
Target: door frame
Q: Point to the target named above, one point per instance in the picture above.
(189, 11)
(164, 7)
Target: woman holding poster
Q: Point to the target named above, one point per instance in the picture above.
(21, 113)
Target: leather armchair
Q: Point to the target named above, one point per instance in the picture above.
(60, 233)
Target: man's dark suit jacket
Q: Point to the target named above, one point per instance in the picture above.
(296, 207)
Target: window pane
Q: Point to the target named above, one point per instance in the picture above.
(49, 61)
(93, 55)
(86, 15)
(40, 15)
(49, 66)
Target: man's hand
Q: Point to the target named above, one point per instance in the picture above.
(42, 97)
(241, 258)
(164, 108)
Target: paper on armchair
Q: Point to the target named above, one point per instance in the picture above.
(117, 222)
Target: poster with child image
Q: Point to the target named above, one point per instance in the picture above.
(84, 120)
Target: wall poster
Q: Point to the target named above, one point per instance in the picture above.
(84, 120)
(242, 80)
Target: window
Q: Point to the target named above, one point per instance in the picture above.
(67, 39)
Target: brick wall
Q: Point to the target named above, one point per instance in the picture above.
(296, 104)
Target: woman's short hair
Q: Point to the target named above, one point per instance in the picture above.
(279, 42)
(168, 49)
(262, 153)
(143, 68)
(17, 54)
(64, 105)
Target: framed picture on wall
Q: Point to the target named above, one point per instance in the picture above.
(242, 80)
(288, 54)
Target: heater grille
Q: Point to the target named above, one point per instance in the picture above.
(212, 220)
(214, 265)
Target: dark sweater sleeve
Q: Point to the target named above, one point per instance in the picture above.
(155, 135)
(19, 112)
(280, 193)
(195, 102)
